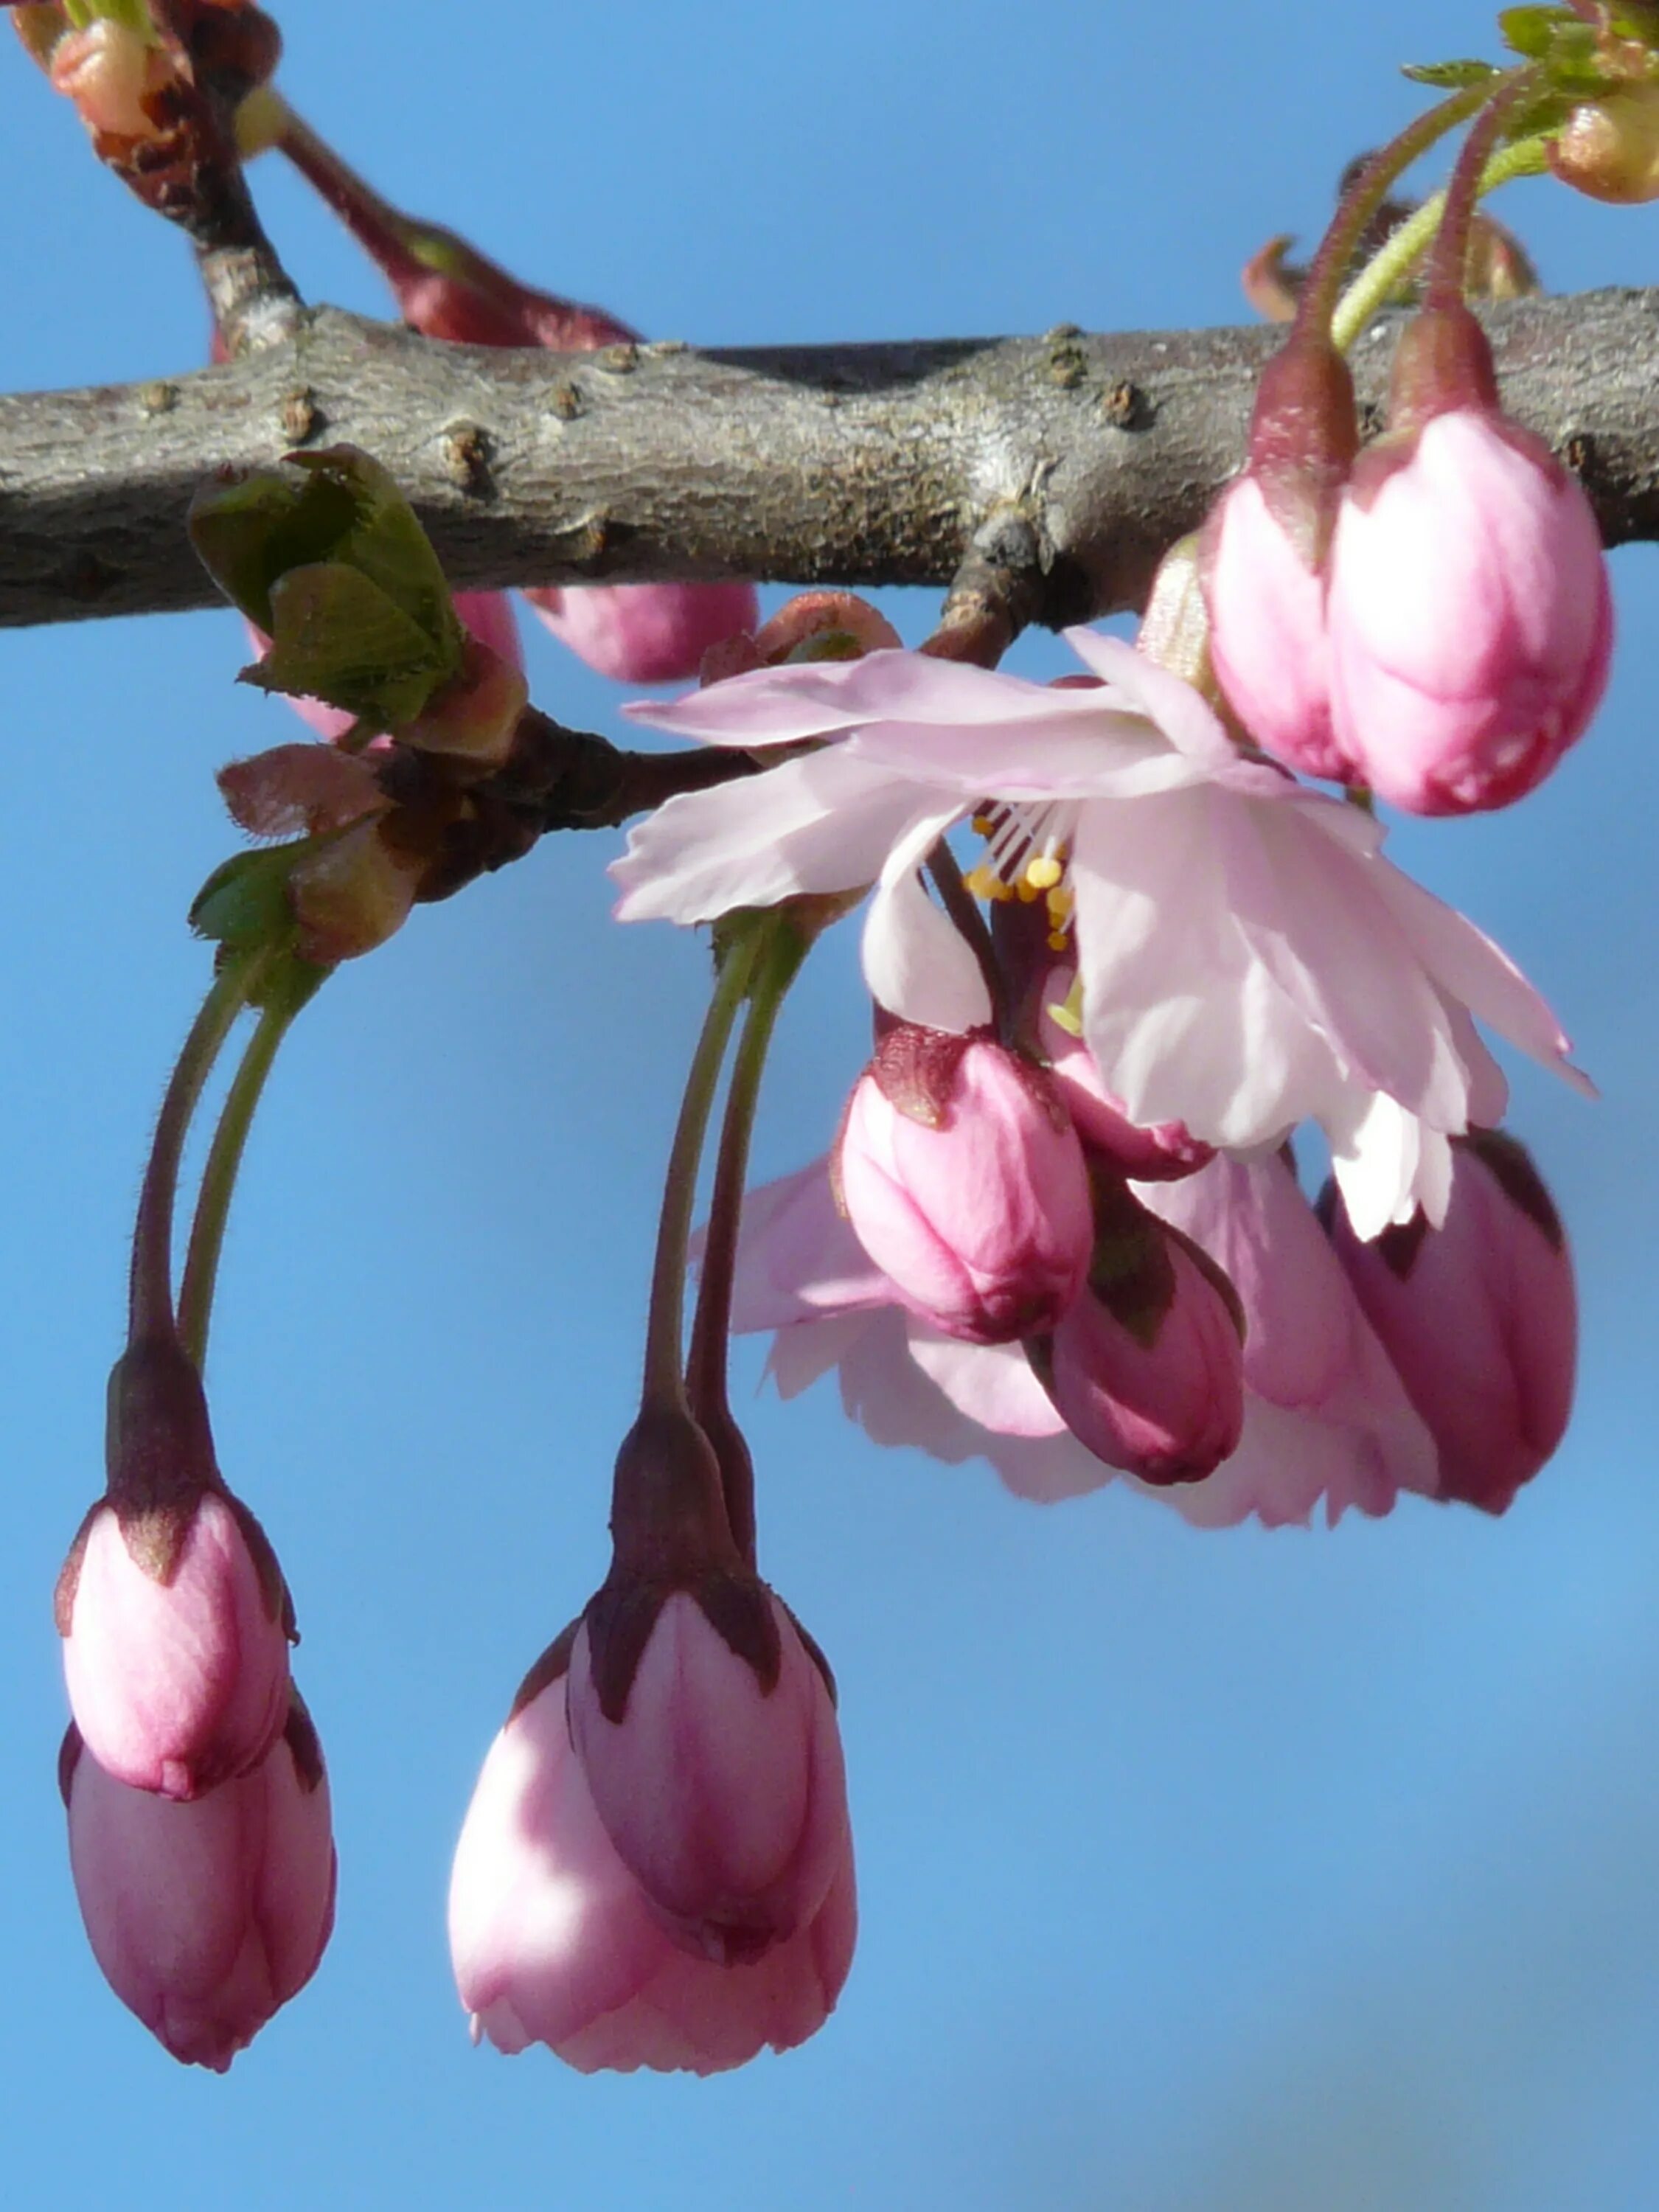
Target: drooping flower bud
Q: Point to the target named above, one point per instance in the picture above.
(553, 1940)
(706, 1732)
(1609, 148)
(1480, 1317)
(172, 1610)
(1146, 1367)
(1263, 556)
(1162, 1153)
(206, 1917)
(1470, 619)
(964, 1180)
(645, 633)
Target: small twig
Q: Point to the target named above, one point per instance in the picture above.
(998, 589)
(554, 778)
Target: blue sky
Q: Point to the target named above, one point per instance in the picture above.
(1295, 1871)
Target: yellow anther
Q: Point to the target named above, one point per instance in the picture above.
(983, 825)
(1044, 873)
(1058, 941)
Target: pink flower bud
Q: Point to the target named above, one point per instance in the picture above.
(1263, 559)
(713, 1759)
(1471, 624)
(206, 1917)
(553, 1940)
(1162, 1153)
(1146, 1368)
(1480, 1317)
(646, 632)
(964, 1180)
(171, 1604)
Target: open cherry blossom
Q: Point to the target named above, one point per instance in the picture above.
(1247, 956)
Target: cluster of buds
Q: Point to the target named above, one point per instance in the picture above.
(198, 1808)
(1429, 618)
(1000, 1215)
(656, 1868)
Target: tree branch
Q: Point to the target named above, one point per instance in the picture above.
(854, 465)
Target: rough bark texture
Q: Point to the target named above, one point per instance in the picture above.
(1071, 460)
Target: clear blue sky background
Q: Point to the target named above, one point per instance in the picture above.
(1200, 1873)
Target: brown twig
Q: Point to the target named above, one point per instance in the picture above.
(853, 465)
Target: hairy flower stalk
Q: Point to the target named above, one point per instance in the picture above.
(783, 945)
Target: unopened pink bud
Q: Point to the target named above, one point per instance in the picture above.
(1146, 1368)
(553, 1940)
(964, 1180)
(171, 1604)
(1263, 558)
(1471, 622)
(714, 1762)
(1479, 1316)
(646, 632)
(1162, 1153)
(206, 1917)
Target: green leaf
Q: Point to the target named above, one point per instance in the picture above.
(1529, 31)
(243, 904)
(1538, 118)
(1448, 77)
(310, 551)
(336, 635)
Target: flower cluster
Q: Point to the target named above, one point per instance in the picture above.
(1058, 1227)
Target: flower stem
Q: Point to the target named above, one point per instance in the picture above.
(782, 948)
(382, 231)
(1393, 262)
(663, 1381)
(1367, 194)
(1449, 267)
(150, 1300)
(224, 1160)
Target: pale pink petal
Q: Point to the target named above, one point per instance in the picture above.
(1139, 685)
(916, 962)
(1184, 1023)
(991, 1383)
(817, 699)
(797, 1257)
(824, 823)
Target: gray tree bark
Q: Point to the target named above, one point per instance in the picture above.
(1062, 465)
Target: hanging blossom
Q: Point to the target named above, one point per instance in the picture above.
(1247, 959)
(1326, 1415)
